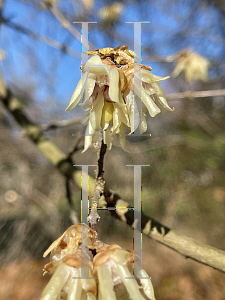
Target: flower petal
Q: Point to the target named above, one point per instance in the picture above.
(132, 111)
(116, 118)
(78, 92)
(145, 281)
(148, 77)
(113, 84)
(148, 102)
(143, 124)
(96, 112)
(94, 65)
(160, 97)
(57, 281)
(88, 137)
(87, 93)
(131, 285)
(107, 138)
(106, 282)
(75, 288)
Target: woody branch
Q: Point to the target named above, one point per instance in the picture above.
(186, 246)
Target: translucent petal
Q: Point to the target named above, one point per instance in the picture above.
(107, 138)
(145, 281)
(107, 111)
(53, 288)
(88, 93)
(116, 118)
(148, 77)
(106, 282)
(88, 137)
(133, 111)
(96, 112)
(161, 97)
(75, 288)
(114, 84)
(146, 99)
(131, 284)
(77, 94)
(143, 124)
(95, 66)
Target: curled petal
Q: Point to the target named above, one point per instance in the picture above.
(107, 138)
(106, 282)
(53, 288)
(113, 84)
(96, 112)
(143, 124)
(145, 281)
(87, 93)
(77, 94)
(148, 77)
(131, 284)
(94, 65)
(75, 288)
(88, 137)
(116, 118)
(133, 111)
(161, 98)
(148, 102)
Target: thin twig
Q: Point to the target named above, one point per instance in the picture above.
(42, 38)
(186, 246)
(59, 124)
(68, 26)
(197, 94)
(99, 182)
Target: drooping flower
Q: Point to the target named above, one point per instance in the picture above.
(193, 65)
(108, 264)
(118, 92)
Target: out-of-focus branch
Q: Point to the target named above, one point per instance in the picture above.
(197, 94)
(186, 246)
(42, 38)
(60, 124)
(68, 26)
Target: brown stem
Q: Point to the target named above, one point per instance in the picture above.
(99, 182)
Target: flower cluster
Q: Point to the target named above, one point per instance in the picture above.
(107, 266)
(192, 64)
(118, 92)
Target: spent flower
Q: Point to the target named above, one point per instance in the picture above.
(118, 92)
(193, 65)
(108, 266)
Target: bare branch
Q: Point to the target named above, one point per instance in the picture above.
(42, 38)
(188, 247)
(68, 26)
(196, 94)
(60, 124)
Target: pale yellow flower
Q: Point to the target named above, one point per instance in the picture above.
(112, 265)
(111, 12)
(193, 65)
(118, 92)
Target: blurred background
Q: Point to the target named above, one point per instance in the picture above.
(183, 188)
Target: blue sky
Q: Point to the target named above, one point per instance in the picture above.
(54, 75)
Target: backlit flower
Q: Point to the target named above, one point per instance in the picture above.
(192, 64)
(118, 92)
(107, 266)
